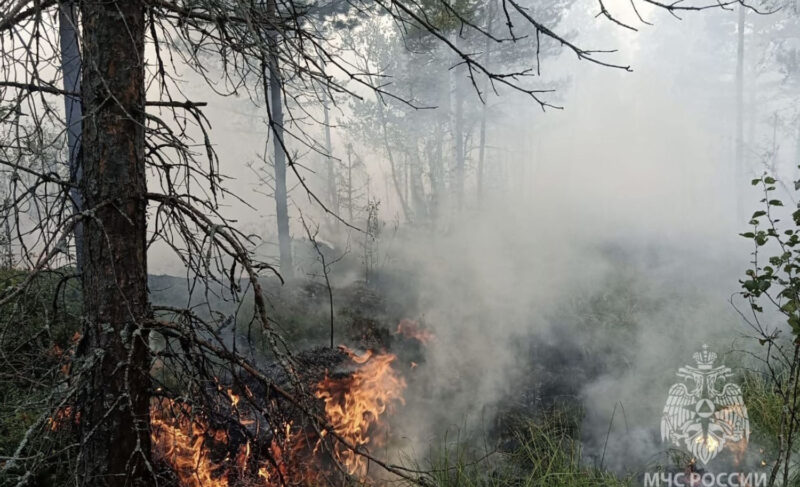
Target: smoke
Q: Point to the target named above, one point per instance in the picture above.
(604, 264)
(539, 315)
(604, 253)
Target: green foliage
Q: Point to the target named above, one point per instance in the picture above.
(772, 402)
(547, 453)
(445, 16)
(783, 269)
(40, 327)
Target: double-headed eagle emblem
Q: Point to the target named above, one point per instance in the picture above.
(705, 411)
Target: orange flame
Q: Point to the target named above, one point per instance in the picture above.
(180, 441)
(354, 405)
(739, 449)
(62, 416)
(412, 329)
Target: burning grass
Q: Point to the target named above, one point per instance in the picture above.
(412, 329)
(355, 404)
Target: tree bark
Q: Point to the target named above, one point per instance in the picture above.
(71, 69)
(275, 92)
(114, 403)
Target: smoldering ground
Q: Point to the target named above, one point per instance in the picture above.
(604, 255)
(532, 322)
(596, 327)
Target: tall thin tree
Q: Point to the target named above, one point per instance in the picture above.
(274, 94)
(484, 109)
(739, 137)
(71, 69)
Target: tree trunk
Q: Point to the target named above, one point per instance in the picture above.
(350, 182)
(437, 171)
(481, 154)
(71, 69)
(419, 203)
(407, 181)
(752, 105)
(458, 95)
(114, 403)
(482, 143)
(392, 165)
(332, 193)
(796, 168)
(740, 170)
(275, 93)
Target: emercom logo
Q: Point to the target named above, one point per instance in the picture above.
(707, 479)
(705, 414)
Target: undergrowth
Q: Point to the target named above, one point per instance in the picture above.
(545, 452)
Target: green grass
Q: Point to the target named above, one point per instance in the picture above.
(545, 453)
(764, 406)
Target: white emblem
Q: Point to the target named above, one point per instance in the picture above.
(705, 411)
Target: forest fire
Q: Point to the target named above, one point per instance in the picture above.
(181, 441)
(63, 416)
(355, 405)
(412, 329)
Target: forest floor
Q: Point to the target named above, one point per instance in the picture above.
(534, 437)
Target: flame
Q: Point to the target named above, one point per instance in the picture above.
(180, 441)
(412, 329)
(62, 416)
(354, 404)
(354, 407)
(66, 356)
(738, 449)
(56, 351)
(710, 442)
(234, 398)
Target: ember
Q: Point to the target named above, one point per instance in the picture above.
(180, 441)
(63, 416)
(355, 405)
(412, 329)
